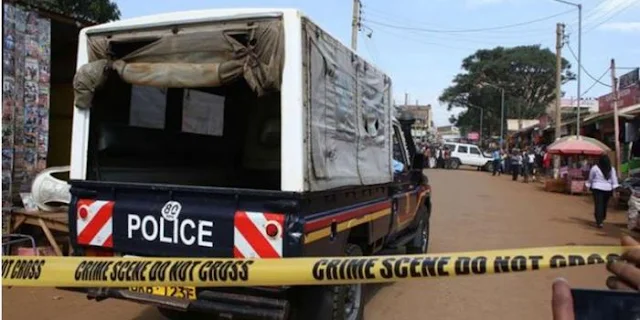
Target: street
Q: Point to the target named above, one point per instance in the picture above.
(472, 211)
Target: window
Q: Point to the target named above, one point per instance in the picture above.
(202, 113)
(451, 147)
(463, 149)
(475, 150)
(148, 106)
(398, 149)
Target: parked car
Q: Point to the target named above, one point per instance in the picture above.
(469, 155)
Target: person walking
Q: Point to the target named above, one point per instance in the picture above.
(427, 156)
(496, 161)
(603, 180)
(447, 158)
(516, 164)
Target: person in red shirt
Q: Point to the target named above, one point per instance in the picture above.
(546, 162)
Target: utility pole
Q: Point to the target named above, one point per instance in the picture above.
(559, 37)
(406, 99)
(355, 25)
(616, 121)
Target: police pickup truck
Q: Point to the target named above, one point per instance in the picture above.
(247, 134)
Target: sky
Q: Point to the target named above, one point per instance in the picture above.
(422, 62)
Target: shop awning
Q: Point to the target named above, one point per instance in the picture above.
(627, 113)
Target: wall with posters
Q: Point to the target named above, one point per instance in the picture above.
(26, 95)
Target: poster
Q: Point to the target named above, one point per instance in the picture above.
(26, 98)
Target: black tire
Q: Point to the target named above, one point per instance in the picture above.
(172, 314)
(420, 243)
(352, 294)
(455, 164)
(488, 166)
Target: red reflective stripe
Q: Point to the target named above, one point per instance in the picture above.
(237, 253)
(109, 242)
(254, 237)
(98, 221)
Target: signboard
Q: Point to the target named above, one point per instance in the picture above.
(626, 97)
(473, 136)
(629, 79)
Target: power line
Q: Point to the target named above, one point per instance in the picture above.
(584, 69)
(421, 41)
(596, 82)
(467, 30)
(632, 3)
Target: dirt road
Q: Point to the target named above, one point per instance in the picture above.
(472, 211)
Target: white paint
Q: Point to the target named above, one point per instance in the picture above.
(186, 232)
(293, 154)
(80, 129)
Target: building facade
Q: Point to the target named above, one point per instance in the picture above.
(423, 114)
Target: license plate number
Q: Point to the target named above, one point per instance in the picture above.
(175, 292)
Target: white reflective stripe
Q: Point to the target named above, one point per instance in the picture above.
(242, 245)
(260, 221)
(103, 234)
(92, 211)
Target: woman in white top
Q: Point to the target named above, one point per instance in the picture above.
(603, 180)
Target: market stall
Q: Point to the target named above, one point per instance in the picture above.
(577, 151)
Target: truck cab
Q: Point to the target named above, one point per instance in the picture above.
(194, 137)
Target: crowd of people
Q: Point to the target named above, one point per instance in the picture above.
(437, 156)
(526, 163)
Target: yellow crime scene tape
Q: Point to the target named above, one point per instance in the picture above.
(204, 272)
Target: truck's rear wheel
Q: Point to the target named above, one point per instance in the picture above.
(348, 300)
(420, 243)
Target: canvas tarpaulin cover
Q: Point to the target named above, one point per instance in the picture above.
(204, 56)
(350, 113)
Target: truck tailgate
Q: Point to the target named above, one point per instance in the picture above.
(154, 220)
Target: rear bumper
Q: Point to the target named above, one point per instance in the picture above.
(224, 304)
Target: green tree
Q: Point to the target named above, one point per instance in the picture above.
(527, 73)
(94, 11)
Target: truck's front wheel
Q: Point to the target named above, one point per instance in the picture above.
(348, 300)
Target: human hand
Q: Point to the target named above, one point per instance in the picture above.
(562, 300)
(626, 271)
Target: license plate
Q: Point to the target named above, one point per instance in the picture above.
(175, 292)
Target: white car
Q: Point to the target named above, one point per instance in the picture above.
(468, 155)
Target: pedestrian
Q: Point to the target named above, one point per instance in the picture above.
(427, 156)
(496, 161)
(516, 164)
(440, 157)
(530, 159)
(447, 158)
(546, 163)
(432, 157)
(602, 181)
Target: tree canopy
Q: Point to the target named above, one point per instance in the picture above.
(96, 11)
(526, 73)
